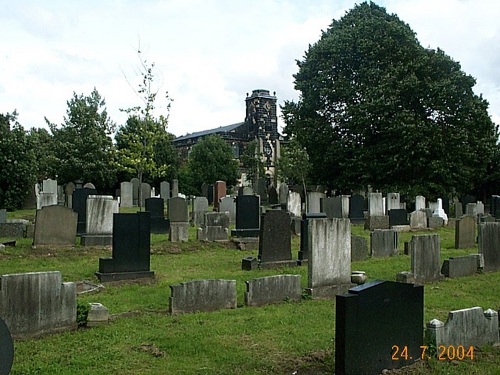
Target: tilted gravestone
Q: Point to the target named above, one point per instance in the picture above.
(247, 216)
(275, 240)
(489, 245)
(131, 249)
(378, 325)
(55, 225)
(7, 349)
(465, 232)
(159, 223)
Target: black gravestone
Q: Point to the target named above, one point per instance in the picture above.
(468, 199)
(79, 205)
(445, 203)
(247, 216)
(131, 248)
(356, 208)
(398, 217)
(272, 195)
(159, 223)
(210, 194)
(6, 349)
(304, 235)
(495, 206)
(378, 326)
(275, 240)
(331, 206)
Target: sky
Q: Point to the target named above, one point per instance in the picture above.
(208, 54)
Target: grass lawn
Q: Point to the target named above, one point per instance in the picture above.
(287, 338)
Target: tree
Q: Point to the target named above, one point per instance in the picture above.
(293, 165)
(210, 160)
(376, 108)
(252, 162)
(83, 148)
(18, 162)
(41, 142)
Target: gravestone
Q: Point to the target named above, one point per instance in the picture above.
(374, 322)
(145, 193)
(7, 349)
(383, 243)
(273, 289)
(247, 190)
(425, 252)
(159, 223)
(178, 214)
(136, 186)
(313, 201)
(329, 262)
(272, 194)
(204, 190)
(304, 236)
(275, 240)
(283, 193)
(294, 204)
(131, 249)
(68, 192)
(80, 207)
(466, 199)
(479, 208)
(227, 204)
(398, 217)
(36, 303)
(418, 220)
(215, 227)
(489, 245)
(99, 220)
(165, 190)
(247, 216)
(392, 202)
(175, 188)
(3, 216)
(359, 248)
(332, 207)
(465, 232)
(219, 193)
(126, 194)
(495, 206)
(439, 211)
(375, 204)
(61, 199)
(460, 266)
(55, 225)
(261, 189)
(200, 206)
(357, 208)
(420, 203)
(459, 211)
(435, 222)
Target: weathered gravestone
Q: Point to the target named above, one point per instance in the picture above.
(200, 206)
(392, 202)
(219, 193)
(126, 194)
(420, 203)
(329, 263)
(357, 208)
(145, 192)
(178, 214)
(418, 220)
(210, 194)
(273, 289)
(159, 223)
(495, 206)
(261, 189)
(272, 194)
(489, 245)
(283, 194)
(80, 207)
(99, 220)
(376, 214)
(3, 216)
(461, 266)
(165, 190)
(468, 328)
(227, 204)
(304, 235)
(247, 190)
(313, 201)
(378, 325)
(383, 243)
(136, 186)
(55, 225)
(131, 249)
(247, 216)
(68, 192)
(294, 204)
(175, 188)
(359, 248)
(37, 303)
(6, 349)
(332, 207)
(275, 240)
(465, 232)
(215, 227)
(202, 295)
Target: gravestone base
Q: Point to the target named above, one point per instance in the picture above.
(460, 266)
(329, 291)
(105, 277)
(401, 228)
(212, 234)
(249, 263)
(178, 232)
(246, 243)
(377, 222)
(277, 264)
(254, 232)
(96, 240)
(405, 277)
(98, 315)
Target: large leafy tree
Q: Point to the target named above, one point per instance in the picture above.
(18, 162)
(83, 147)
(210, 160)
(376, 108)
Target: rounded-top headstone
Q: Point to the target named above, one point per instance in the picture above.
(6, 349)
(89, 185)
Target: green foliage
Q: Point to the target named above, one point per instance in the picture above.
(376, 108)
(82, 146)
(252, 162)
(210, 160)
(42, 143)
(18, 161)
(82, 313)
(293, 165)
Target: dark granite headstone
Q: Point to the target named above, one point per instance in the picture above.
(356, 208)
(275, 240)
(304, 235)
(204, 190)
(210, 194)
(446, 205)
(375, 323)
(159, 223)
(79, 205)
(6, 349)
(489, 245)
(247, 216)
(468, 199)
(272, 195)
(398, 217)
(261, 189)
(131, 248)
(178, 211)
(331, 206)
(495, 206)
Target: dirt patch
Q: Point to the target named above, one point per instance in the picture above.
(151, 349)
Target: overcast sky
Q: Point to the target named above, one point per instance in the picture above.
(208, 53)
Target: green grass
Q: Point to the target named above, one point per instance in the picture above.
(276, 339)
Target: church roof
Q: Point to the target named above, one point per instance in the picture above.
(220, 129)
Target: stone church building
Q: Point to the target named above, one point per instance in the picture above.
(261, 124)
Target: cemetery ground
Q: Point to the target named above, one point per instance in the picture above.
(286, 338)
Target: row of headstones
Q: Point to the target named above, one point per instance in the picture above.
(134, 192)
